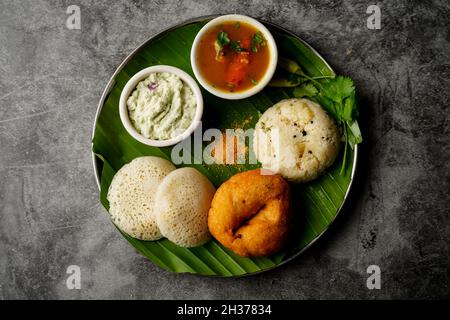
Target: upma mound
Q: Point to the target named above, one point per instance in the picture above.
(297, 139)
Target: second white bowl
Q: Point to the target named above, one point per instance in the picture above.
(131, 85)
(272, 62)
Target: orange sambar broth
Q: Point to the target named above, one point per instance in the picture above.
(217, 73)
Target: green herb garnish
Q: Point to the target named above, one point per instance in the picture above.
(257, 41)
(306, 90)
(237, 25)
(336, 94)
(222, 39)
(236, 46)
(253, 81)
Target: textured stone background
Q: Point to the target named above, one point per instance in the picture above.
(51, 79)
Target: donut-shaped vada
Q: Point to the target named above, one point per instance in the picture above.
(250, 213)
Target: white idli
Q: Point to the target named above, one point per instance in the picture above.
(182, 203)
(131, 196)
(297, 139)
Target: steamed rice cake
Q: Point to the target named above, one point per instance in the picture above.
(131, 196)
(182, 203)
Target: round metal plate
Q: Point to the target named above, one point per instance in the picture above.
(199, 19)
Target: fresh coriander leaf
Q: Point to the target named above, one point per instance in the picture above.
(257, 41)
(306, 90)
(351, 139)
(352, 101)
(349, 109)
(346, 86)
(338, 89)
(356, 132)
(328, 105)
(236, 46)
(338, 97)
(223, 39)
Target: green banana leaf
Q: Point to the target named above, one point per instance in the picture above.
(316, 204)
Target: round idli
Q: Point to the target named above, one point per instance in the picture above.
(182, 203)
(297, 139)
(131, 196)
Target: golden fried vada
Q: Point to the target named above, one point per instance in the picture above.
(250, 213)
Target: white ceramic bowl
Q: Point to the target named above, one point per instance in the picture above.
(131, 86)
(269, 72)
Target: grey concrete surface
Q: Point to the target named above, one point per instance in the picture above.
(51, 79)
